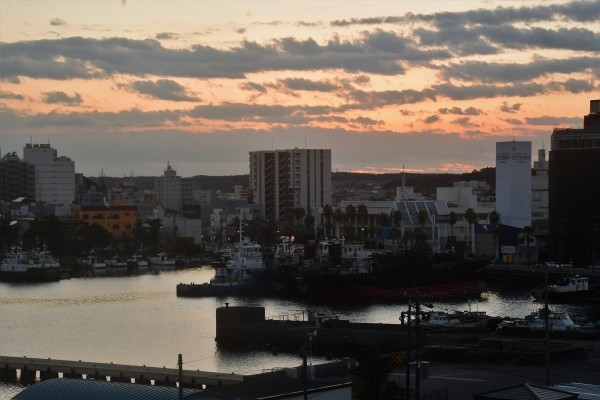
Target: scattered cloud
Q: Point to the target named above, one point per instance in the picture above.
(11, 96)
(59, 97)
(460, 111)
(506, 108)
(164, 89)
(58, 22)
(552, 121)
(431, 119)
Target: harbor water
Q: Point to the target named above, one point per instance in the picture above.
(138, 319)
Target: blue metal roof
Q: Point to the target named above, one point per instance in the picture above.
(81, 389)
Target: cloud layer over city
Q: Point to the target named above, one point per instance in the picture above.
(132, 85)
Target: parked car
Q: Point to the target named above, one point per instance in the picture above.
(552, 265)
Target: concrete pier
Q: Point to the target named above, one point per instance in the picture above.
(48, 368)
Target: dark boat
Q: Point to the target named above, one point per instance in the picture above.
(397, 276)
(571, 290)
(242, 274)
(31, 266)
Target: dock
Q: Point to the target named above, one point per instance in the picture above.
(27, 370)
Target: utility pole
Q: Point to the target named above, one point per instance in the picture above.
(304, 368)
(546, 326)
(417, 349)
(180, 364)
(408, 347)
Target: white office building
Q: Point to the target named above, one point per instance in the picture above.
(513, 183)
(54, 175)
(167, 189)
(281, 180)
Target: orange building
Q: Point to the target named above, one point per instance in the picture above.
(118, 220)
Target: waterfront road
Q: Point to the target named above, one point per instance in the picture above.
(462, 380)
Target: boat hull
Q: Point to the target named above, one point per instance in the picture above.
(49, 274)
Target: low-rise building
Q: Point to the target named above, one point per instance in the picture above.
(118, 219)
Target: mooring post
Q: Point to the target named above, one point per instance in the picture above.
(180, 364)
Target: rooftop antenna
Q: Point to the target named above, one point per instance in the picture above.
(403, 184)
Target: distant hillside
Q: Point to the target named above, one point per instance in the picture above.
(203, 182)
(423, 183)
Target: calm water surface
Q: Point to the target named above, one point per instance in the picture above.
(140, 320)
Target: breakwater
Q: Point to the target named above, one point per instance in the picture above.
(27, 370)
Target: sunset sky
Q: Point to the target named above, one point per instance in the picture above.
(126, 86)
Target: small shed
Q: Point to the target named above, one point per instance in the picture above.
(526, 392)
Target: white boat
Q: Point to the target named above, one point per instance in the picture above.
(161, 259)
(558, 321)
(233, 276)
(136, 260)
(351, 255)
(115, 262)
(91, 261)
(436, 318)
(37, 265)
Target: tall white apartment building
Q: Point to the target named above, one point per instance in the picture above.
(513, 183)
(282, 180)
(54, 176)
(167, 189)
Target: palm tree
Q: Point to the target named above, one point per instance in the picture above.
(328, 214)
(472, 218)
(338, 217)
(362, 212)
(528, 231)
(299, 213)
(351, 215)
(495, 220)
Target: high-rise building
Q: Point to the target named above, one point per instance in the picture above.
(513, 183)
(17, 178)
(539, 194)
(282, 180)
(54, 176)
(574, 189)
(168, 189)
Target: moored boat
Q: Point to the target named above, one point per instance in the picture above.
(239, 275)
(32, 266)
(91, 261)
(136, 260)
(161, 259)
(572, 289)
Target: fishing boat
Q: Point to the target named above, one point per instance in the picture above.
(558, 321)
(33, 266)
(136, 260)
(571, 289)
(161, 259)
(239, 275)
(91, 261)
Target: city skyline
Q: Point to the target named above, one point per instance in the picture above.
(131, 85)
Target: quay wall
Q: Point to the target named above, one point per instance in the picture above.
(30, 368)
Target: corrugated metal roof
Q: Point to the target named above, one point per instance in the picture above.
(81, 389)
(526, 392)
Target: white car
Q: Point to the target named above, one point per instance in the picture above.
(552, 265)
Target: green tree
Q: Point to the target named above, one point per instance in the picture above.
(328, 214)
(94, 236)
(338, 218)
(351, 217)
(371, 378)
(299, 214)
(362, 212)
